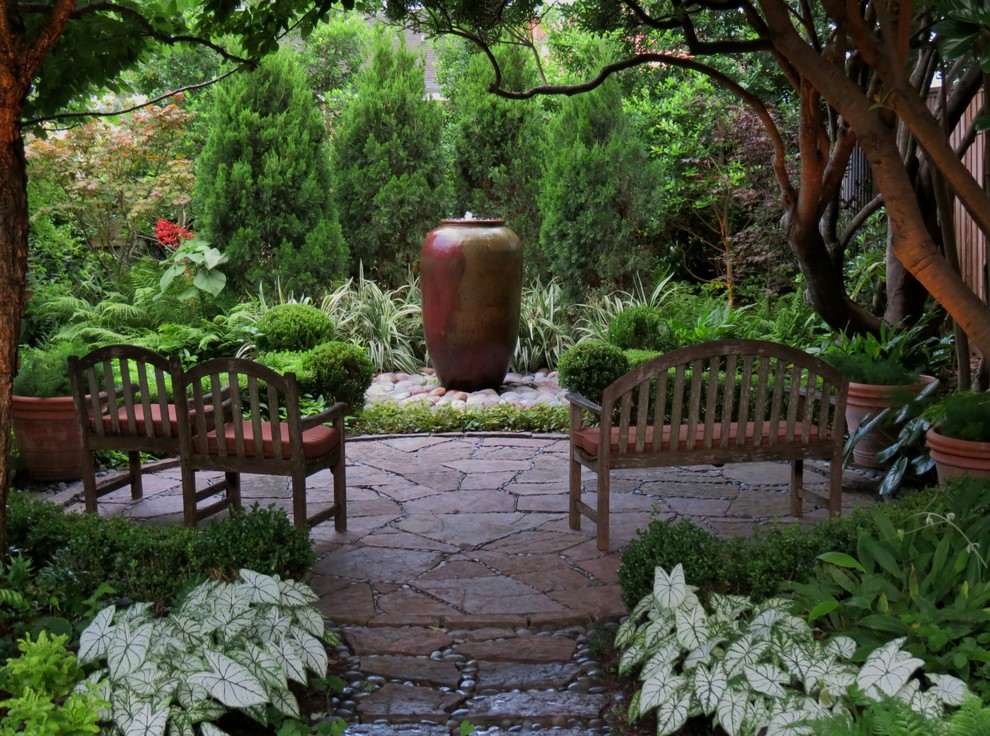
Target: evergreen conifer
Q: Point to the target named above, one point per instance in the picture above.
(263, 182)
(389, 174)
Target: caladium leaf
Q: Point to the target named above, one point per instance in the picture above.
(128, 649)
(95, 638)
(261, 588)
(710, 686)
(229, 682)
(669, 590)
(887, 669)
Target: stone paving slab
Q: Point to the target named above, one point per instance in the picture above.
(496, 504)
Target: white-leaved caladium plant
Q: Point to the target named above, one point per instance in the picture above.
(228, 646)
(751, 666)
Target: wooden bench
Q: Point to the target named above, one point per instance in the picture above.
(726, 401)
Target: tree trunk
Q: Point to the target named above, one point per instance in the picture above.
(13, 268)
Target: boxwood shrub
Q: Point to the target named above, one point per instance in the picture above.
(589, 367)
(295, 327)
(641, 328)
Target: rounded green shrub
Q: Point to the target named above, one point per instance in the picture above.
(589, 367)
(638, 357)
(339, 371)
(262, 539)
(293, 327)
(666, 544)
(641, 328)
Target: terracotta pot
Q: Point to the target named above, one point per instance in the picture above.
(869, 399)
(48, 437)
(471, 277)
(958, 457)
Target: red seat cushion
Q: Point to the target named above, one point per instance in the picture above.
(588, 439)
(316, 441)
(156, 421)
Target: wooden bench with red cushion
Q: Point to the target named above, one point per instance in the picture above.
(257, 417)
(789, 405)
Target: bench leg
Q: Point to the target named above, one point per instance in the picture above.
(797, 485)
(134, 463)
(188, 497)
(601, 513)
(299, 513)
(340, 494)
(835, 486)
(89, 481)
(573, 515)
(233, 489)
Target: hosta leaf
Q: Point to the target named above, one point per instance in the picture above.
(887, 669)
(765, 678)
(709, 686)
(143, 721)
(287, 653)
(692, 627)
(95, 638)
(669, 590)
(658, 691)
(230, 682)
(313, 653)
(672, 714)
(262, 588)
(951, 690)
(297, 594)
(731, 711)
(285, 702)
(128, 648)
(310, 620)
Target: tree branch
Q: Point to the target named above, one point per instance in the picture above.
(148, 103)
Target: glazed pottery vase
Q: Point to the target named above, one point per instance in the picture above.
(866, 400)
(955, 457)
(471, 278)
(48, 437)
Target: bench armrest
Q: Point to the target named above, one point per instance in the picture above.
(327, 416)
(584, 403)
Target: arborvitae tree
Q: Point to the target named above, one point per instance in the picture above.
(263, 182)
(388, 163)
(596, 197)
(496, 144)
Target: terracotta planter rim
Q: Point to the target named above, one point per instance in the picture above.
(942, 442)
(923, 381)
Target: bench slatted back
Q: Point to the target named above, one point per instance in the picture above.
(119, 392)
(245, 394)
(725, 394)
